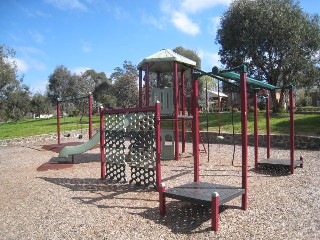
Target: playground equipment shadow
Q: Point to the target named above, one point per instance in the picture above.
(182, 217)
(110, 189)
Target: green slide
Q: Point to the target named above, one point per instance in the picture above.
(73, 150)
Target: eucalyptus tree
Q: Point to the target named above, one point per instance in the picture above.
(14, 96)
(40, 104)
(125, 88)
(278, 42)
(62, 84)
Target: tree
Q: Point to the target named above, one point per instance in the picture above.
(62, 84)
(14, 96)
(18, 104)
(277, 41)
(192, 55)
(89, 80)
(103, 94)
(125, 87)
(40, 104)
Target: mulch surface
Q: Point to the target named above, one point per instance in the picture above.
(54, 166)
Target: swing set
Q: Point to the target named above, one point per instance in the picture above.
(78, 100)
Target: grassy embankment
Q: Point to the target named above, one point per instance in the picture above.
(305, 124)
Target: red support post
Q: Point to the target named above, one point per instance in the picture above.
(102, 151)
(58, 122)
(215, 211)
(90, 114)
(244, 131)
(195, 129)
(291, 131)
(162, 199)
(268, 125)
(176, 111)
(256, 136)
(183, 105)
(147, 85)
(158, 145)
(140, 87)
(219, 106)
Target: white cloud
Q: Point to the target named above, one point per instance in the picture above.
(194, 6)
(24, 65)
(209, 59)
(68, 4)
(21, 64)
(179, 12)
(183, 23)
(214, 24)
(36, 36)
(86, 46)
(80, 70)
(152, 20)
(29, 51)
(41, 87)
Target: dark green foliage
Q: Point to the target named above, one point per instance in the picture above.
(276, 40)
(14, 96)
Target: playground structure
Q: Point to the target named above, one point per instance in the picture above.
(282, 164)
(60, 101)
(132, 136)
(167, 61)
(204, 193)
(140, 128)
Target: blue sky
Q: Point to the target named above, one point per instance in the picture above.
(101, 34)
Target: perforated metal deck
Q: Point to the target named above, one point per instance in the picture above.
(281, 164)
(201, 193)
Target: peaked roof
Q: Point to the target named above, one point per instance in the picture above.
(163, 61)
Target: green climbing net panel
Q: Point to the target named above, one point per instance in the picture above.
(130, 141)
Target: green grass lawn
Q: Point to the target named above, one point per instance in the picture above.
(42, 126)
(305, 124)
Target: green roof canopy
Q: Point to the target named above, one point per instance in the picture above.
(233, 78)
(163, 61)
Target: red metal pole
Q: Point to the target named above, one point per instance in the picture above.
(244, 130)
(219, 125)
(58, 121)
(215, 211)
(195, 129)
(147, 85)
(158, 145)
(162, 199)
(256, 136)
(291, 131)
(183, 105)
(176, 111)
(268, 125)
(140, 87)
(90, 114)
(102, 152)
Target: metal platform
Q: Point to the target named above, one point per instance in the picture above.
(201, 193)
(279, 163)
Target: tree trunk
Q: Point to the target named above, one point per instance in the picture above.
(278, 103)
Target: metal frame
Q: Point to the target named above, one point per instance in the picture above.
(155, 109)
(89, 114)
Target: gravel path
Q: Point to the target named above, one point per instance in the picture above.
(73, 203)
